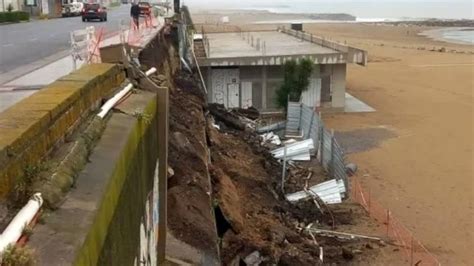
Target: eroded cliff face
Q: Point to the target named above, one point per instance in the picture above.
(224, 203)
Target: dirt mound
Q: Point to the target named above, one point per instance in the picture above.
(233, 200)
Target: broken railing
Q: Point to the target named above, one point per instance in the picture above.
(306, 123)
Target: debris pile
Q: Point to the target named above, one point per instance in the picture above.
(256, 221)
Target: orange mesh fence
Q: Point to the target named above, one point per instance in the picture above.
(94, 49)
(135, 33)
(414, 251)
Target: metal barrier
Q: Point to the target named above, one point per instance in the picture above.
(305, 122)
(413, 249)
(85, 46)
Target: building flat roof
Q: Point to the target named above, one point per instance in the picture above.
(265, 43)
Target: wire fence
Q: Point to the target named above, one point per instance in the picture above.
(305, 122)
(414, 251)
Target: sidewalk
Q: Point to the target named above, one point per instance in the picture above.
(13, 91)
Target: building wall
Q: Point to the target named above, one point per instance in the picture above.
(338, 85)
(265, 80)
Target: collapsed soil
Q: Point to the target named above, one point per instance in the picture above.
(249, 211)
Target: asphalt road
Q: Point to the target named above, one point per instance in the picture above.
(24, 43)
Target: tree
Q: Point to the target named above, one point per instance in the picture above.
(295, 81)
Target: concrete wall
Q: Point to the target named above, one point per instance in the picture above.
(353, 55)
(30, 129)
(338, 85)
(110, 218)
(267, 79)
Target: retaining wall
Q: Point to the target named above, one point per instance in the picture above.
(111, 216)
(30, 129)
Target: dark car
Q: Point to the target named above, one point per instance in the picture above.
(145, 8)
(94, 11)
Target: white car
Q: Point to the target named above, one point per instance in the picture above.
(71, 8)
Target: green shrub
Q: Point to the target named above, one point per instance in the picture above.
(14, 16)
(295, 81)
(11, 17)
(22, 16)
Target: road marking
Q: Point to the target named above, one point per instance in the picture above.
(33, 39)
(8, 45)
(444, 65)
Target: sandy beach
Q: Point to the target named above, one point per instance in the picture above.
(421, 163)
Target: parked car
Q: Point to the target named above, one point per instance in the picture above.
(94, 11)
(71, 8)
(145, 8)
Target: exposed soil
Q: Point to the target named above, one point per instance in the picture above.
(189, 187)
(249, 211)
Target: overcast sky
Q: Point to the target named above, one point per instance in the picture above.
(360, 8)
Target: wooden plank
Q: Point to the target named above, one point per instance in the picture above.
(163, 124)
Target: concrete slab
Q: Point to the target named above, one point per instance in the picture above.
(354, 105)
(233, 44)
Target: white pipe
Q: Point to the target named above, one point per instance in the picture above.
(186, 65)
(150, 71)
(113, 101)
(14, 230)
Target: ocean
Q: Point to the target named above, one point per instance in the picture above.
(363, 9)
(454, 35)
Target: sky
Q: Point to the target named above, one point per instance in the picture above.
(455, 9)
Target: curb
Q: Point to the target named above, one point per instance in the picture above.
(10, 23)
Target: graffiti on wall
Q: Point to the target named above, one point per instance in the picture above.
(147, 253)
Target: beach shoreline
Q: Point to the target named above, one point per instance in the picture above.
(440, 35)
(421, 89)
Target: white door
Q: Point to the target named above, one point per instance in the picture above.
(246, 94)
(221, 77)
(233, 95)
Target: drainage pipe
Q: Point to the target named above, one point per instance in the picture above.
(23, 218)
(113, 101)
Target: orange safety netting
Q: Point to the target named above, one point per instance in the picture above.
(415, 252)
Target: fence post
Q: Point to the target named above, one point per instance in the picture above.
(310, 125)
(331, 165)
(322, 143)
(369, 199)
(388, 221)
(283, 174)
